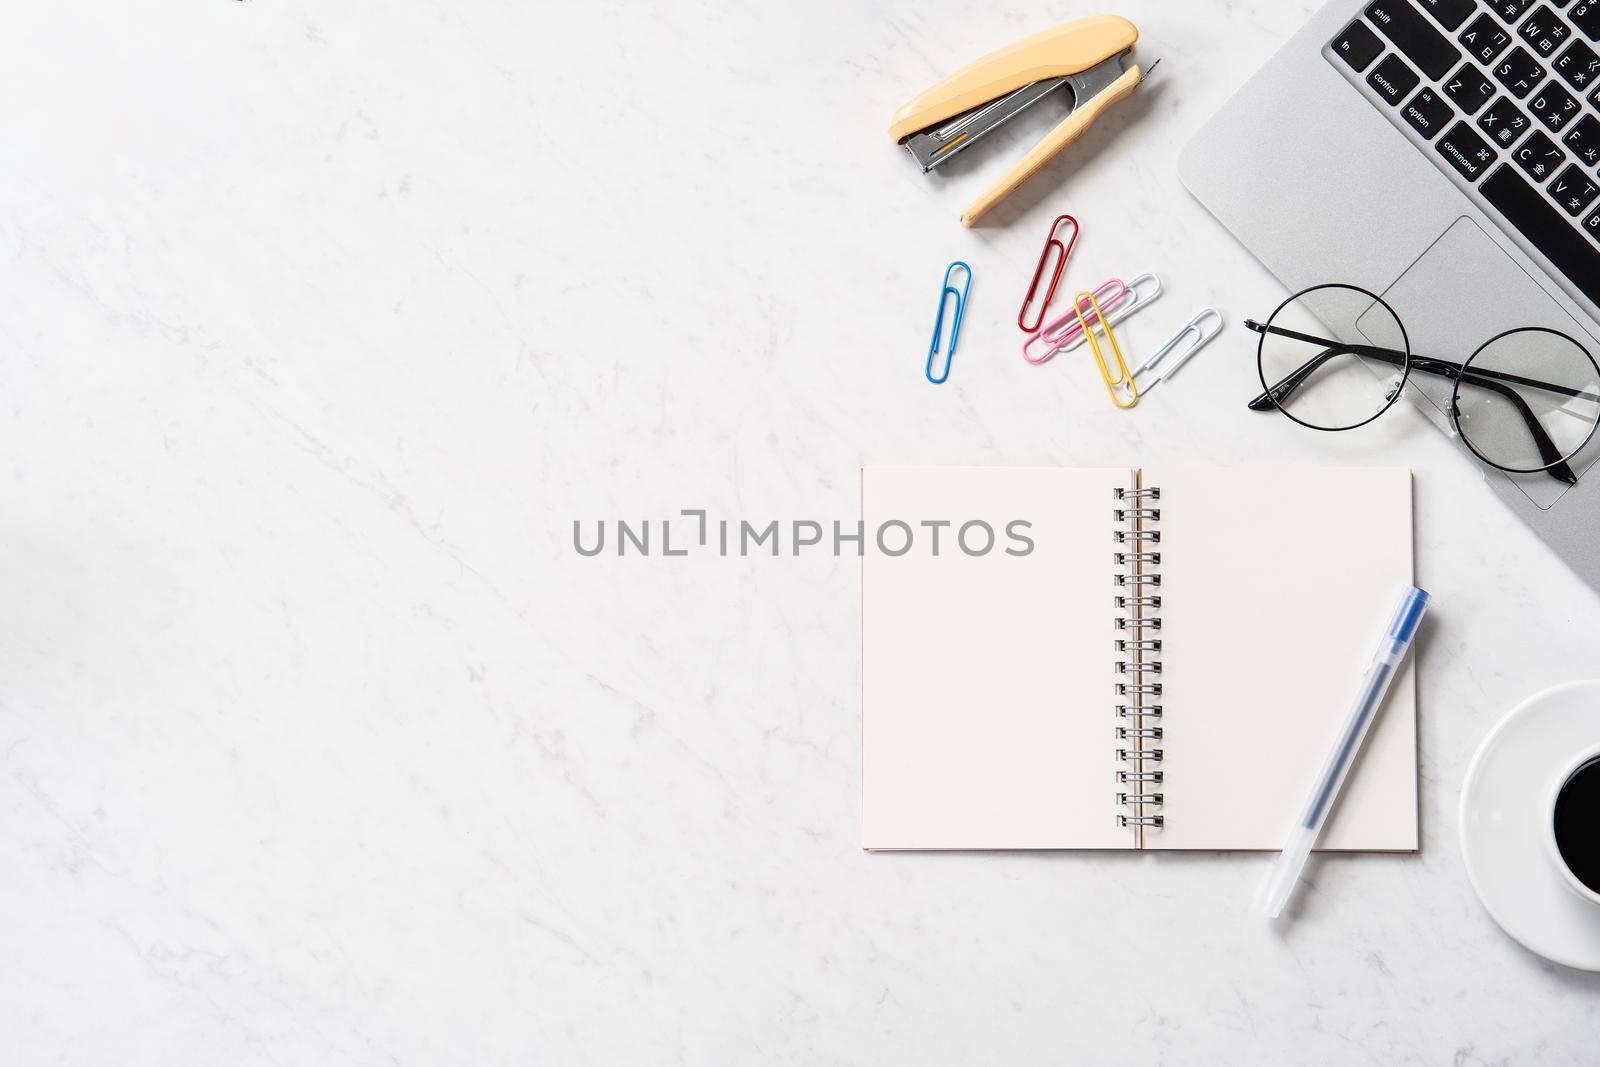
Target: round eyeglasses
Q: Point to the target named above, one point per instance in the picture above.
(1526, 400)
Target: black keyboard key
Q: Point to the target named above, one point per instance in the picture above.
(1586, 16)
(1578, 65)
(1510, 10)
(1519, 72)
(1427, 113)
(1415, 36)
(1553, 106)
(1464, 150)
(1583, 140)
(1539, 157)
(1547, 229)
(1393, 79)
(1484, 39)
(1558, 4)
(1469, 88)
(1544, 32)
(1503, 123)
(1574, 190)
(1592, 224)
(1357, 46)
(1449, 13)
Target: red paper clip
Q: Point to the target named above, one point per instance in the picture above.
(1052, 241)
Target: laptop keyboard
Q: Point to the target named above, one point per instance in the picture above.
(1505, 97)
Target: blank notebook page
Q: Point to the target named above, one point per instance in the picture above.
(1276, 584)
(988, 682)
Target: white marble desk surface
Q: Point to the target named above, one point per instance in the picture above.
(319, 744)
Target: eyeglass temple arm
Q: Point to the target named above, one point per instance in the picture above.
(1548, 452)
(1442, 367)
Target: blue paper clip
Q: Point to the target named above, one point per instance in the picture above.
(955, 324)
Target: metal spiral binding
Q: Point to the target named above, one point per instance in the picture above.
(1139, 650)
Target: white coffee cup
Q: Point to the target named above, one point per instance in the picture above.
(1567, 771)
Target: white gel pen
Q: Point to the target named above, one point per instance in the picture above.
(1285, 874)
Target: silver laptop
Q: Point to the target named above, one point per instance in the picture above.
(1444, 154)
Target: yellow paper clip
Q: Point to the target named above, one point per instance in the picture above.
(1123, 378)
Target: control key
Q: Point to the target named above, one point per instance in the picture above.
(1393, 79)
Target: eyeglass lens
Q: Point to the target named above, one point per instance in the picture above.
(1528, 399)
(1324, 372)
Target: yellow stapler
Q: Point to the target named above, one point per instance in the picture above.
(1083, 57)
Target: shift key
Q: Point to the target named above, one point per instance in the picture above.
(1464, 150)
(1415, 36)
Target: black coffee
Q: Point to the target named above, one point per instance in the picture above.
(1578, 823)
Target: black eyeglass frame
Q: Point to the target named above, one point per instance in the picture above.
(1555, 460)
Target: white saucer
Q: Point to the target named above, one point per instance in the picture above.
(1505, 805)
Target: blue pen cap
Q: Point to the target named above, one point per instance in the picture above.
(1403, 627)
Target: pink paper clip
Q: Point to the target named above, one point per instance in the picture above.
(1053, 335)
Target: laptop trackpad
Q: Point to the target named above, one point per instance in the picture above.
(1462, 291)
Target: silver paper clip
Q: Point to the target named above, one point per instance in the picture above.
(955, 325)
(1195, 327)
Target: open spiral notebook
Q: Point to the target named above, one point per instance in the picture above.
(1165, 668)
